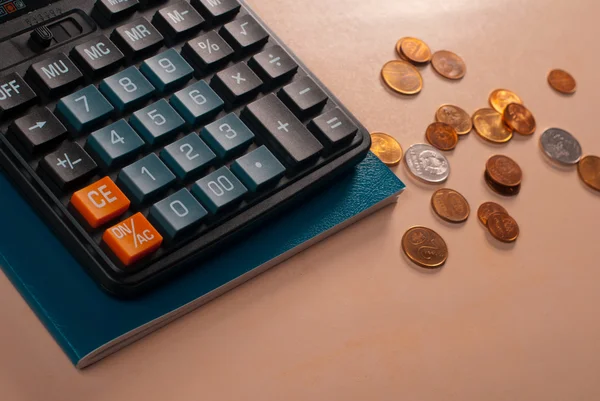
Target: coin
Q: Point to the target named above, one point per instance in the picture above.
(562, 81)
(399, 49)
(561, 146)
(487, 209)
(450, 205)
(501, 189)
(504, 171)
(489, 125)
(442, 136)
(456, 117)
(519, 119)
(402, 77)
(448, 64)
(427, 163)
(386, 148)
(589, 171)
(415, 50)
(500, 98)
(503, 227)
(425, 247)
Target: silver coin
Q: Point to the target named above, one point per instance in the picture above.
(427, 163)
(561, 146)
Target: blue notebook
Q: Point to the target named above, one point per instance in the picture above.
(90, 325)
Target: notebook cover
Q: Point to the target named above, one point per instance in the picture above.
(89, 324)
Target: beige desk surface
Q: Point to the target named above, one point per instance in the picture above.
(350, 319)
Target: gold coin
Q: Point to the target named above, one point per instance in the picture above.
(500, 98)
(501, 189)
(503, 227)
(456, 117)
(562, 81)
(402, 77)
(415, 50)
(425, 247)
(448, 64)
(504, 171)
(589, 171)
(386, 148)
(489, 125)
(450, 205)
(487, 209)
(519, 119)
(442, 136)
(399, 49)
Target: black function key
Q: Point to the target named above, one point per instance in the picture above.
(114, 10)
(207, 51)
(55, 75)
(217, 11)
(333, 129)
(15, 94)
(97, 57)
(137, 38)
(273, 65)
(69, 165)
(236, 84)
(272, 121)
(178, 20)
(303, 97)
(244, 34)
(38, 130)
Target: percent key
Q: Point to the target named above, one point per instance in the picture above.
(208, 51)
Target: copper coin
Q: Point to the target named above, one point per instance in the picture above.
(386, 148)
(503, 227)
(519, 119)
(450, 205)
(487, 209)
(415, 50)
(500, 98)
(399, 49)
(589, 171)
(489, 125)
(442, 136)
(501, 189)
(562, 81)
(402, 77)
(452, 115)
(504, 171)
(448, 64)
(425, 247)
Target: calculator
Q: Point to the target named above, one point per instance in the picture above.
(151, 134)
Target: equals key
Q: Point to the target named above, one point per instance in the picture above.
(303, 97)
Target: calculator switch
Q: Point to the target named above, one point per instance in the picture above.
(127, 89)
(38, 130)
(187, 156)
(207, 51)
(219, 190)
(236, 84)
(132, 239)
(145, 179)
(227, 136)
(54, 75)
(97, 57)
(333, 129)
(84, 109)
(137, 38)
(100, 202)
(303, 97)
(178, 20)
(114, 10)
(157, 122)
(177, 214)
(258, 169)
(197, 103)
(114, 144)
(167, 70)
(244, 35)
(68, 165)
(273, 65)
(217, 11)
(15, 94)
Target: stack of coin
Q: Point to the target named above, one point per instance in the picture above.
(503, 175)
(451, 122)
(498, 222)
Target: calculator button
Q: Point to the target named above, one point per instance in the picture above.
(176, 214)
(157, 122)
(127, 89)
(273, 65)
(15, 94)
(132, 239)
(97, 57)
(100, 202)
(303, 97)
(84, 109)
(167, 70)
(178, 20)
(54, 75)
(38, 130)
(197, 103)
(219, 190)
(137, 38)
(145, 179)
(114, 144)
(244, 35)
(333, 128)
(114, 10)
(217, 11)
(258, 169)
(187, 156)
(236, 84)
(68, 165)
(207, 51)
(227, 136)
(279, 127)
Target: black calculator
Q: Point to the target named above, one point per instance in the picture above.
(149, 133)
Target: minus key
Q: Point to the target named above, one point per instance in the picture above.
(303, 97)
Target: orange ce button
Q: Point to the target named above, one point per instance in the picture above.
(100, 202)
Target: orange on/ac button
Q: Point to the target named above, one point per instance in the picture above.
(132, 239)
(100, 202)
